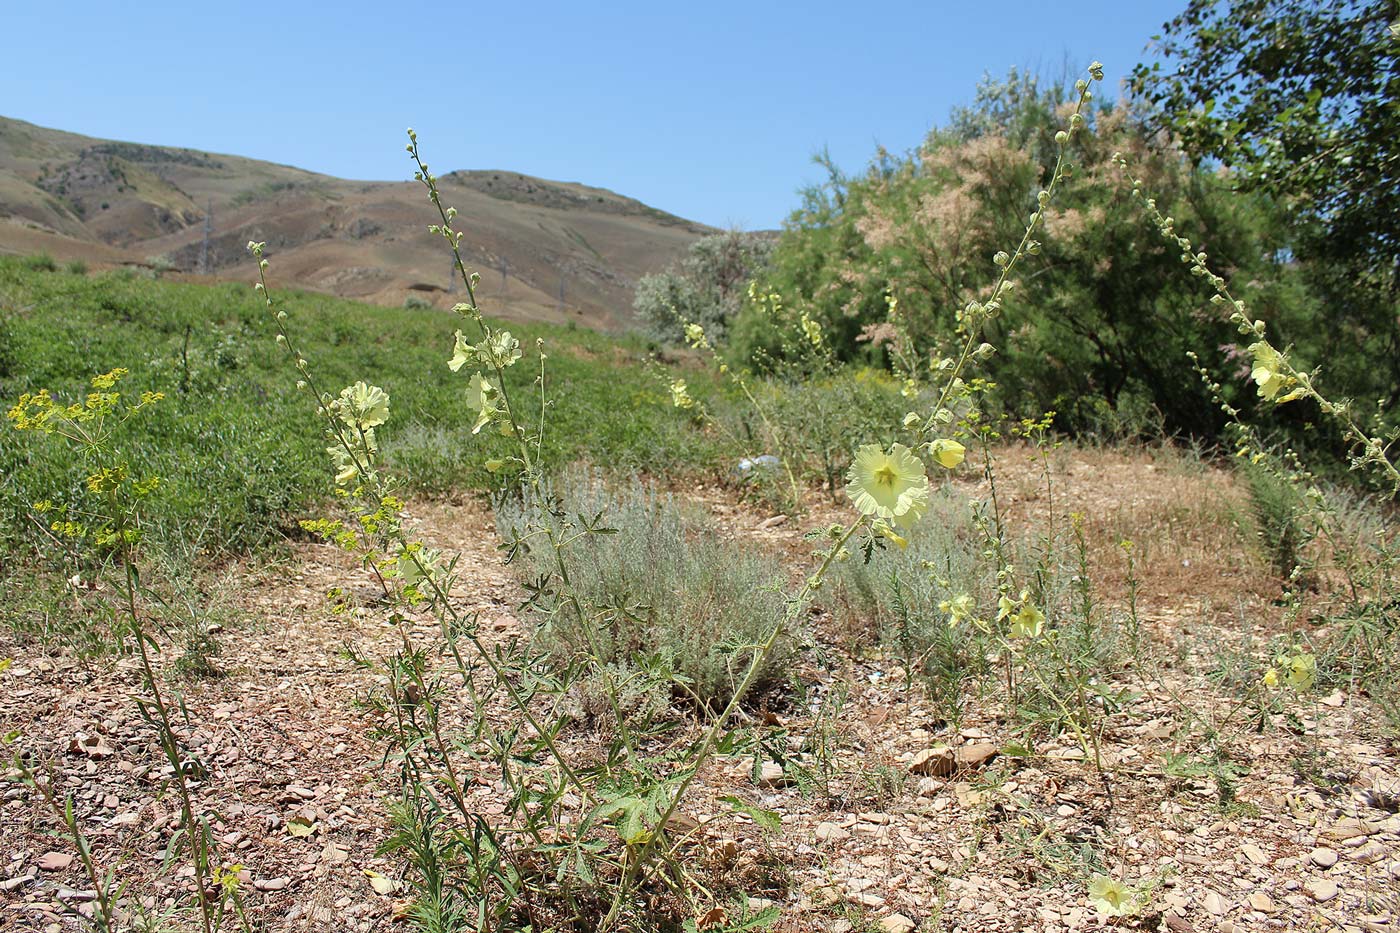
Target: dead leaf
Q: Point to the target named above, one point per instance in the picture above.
(300, 826)
(714, 917)
(381, 883)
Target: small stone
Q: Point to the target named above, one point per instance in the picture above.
(54, 861)
(938, 761)
(9, 884)
(773, 521)
(271, 884)
(1323, 857)
(1321, 889)
(1370, 852)
(1261, 902)
(771, 774)
(896, 923)
(1215, 904)
(830, 832)
(1254, 854)
(1350, 828)
(976, 755)
(1177, 923)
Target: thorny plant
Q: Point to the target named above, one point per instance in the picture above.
(104, 521)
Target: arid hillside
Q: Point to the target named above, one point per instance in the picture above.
(549, 251)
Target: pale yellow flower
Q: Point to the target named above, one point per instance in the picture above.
(1111, 897)
(680, 395)
(1299, 670)
(958, 609)
(1029, 622)
(885, 530)
(481, 396)
(1270, 678)
(1270, 375)
(462, 353)
(948, 453)
(363, 406)
(502, 349)
(892, 485)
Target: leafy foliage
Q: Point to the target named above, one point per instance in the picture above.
(1099, 328)
(1297, 99)
(705, 288)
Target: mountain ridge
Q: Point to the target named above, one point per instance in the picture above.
(546, 250)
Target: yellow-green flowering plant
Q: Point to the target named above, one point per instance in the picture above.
(105, 522)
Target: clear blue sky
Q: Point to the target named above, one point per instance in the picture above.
(708, 110)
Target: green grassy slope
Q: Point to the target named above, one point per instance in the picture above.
(240, 448)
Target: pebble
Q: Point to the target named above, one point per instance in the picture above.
(1323, 857)
(1261, 902)
(1321, 889)
(896, 923)
(1370, 852)
(830, 832)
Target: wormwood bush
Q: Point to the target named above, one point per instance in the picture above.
(895, 601)
(669, 590)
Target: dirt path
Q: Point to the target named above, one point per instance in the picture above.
(1305, 837)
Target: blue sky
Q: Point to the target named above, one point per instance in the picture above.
(711, 111)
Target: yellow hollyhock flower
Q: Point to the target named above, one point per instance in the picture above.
(363, 406)
(892, 486)
(481, 396)
(885, 530)
(680, 395)
(502, 349)
(948, 453)
(957, 609)
(1029, 622)
(1111, 897)
(462, 353)
(1270, 376)
(1299, 670)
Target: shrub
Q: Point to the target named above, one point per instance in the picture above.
(705, 288)
(671, 590)
(41, 262)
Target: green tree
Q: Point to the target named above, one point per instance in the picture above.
(1302, 101)
(1100, 324)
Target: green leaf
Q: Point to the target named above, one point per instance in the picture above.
(766, 819)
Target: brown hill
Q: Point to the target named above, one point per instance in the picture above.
(546, 250)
